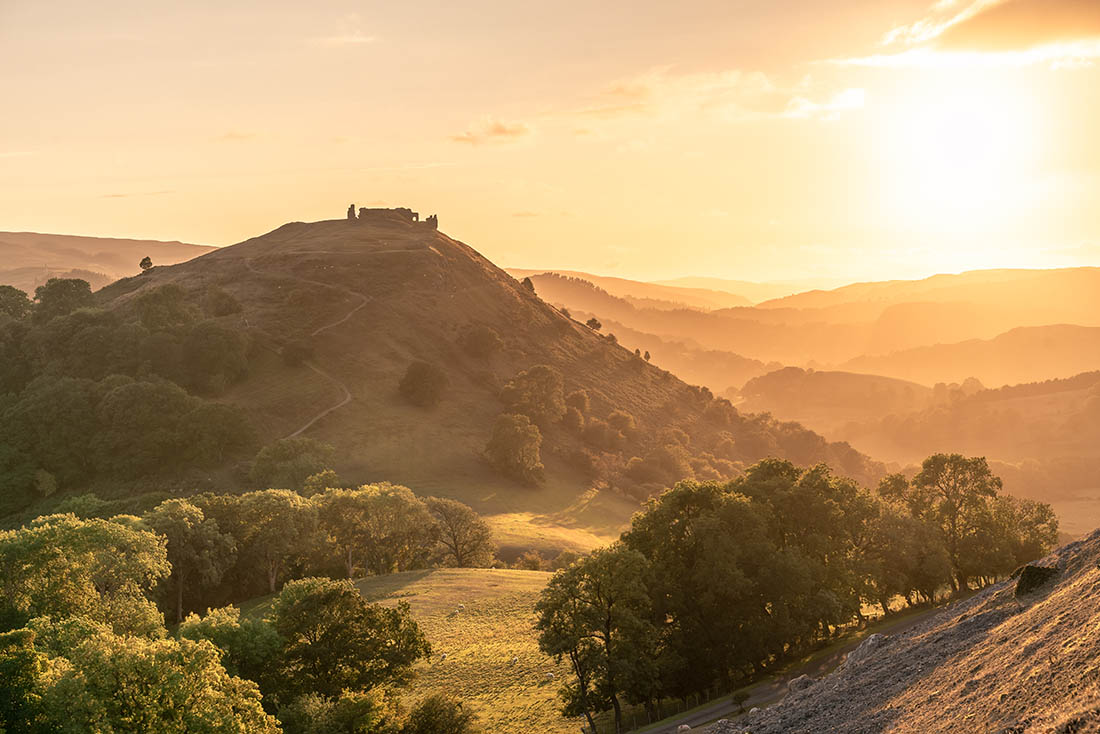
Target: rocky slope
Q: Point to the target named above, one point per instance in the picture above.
(998, 662)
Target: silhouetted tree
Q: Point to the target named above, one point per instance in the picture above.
(528, 284)
(145, 264)
(14, 302)
(61, 296)
(594, 324)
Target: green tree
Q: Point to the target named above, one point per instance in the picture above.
(21, 670)
(950, 491)
(438, 714)
(61, 296)
(366, 712)
(288, 462)
(335, 640)
(465, 537)
(14, 302)
(63, 566)
(513, 449)
(537, 394)
(278, 525)
(215, 356)
(250, 647)
(197, 550)
(423, 384)
(595, 613)
(110, 683)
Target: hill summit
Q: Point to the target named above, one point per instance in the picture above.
(339, 311)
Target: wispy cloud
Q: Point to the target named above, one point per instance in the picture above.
(849, 99)
(1059, 33)
(491, 130)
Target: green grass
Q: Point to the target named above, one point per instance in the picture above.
(480, 641)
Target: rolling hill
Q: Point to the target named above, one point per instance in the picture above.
(29, 259)
(650, 295)
(368, 298)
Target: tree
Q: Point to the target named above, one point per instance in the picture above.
(423, 384)
(479, 340)
(110, 683)
(288, 462)
(250, 647)
(578, 399)
(646, 355)
(950, 491)
(14, 302)
(21, 670)
(537, 394)
(319, 482)
(335, 640)
(594, 324)
(62, 566)
(528, 284)
(366, 712)
(164, 307)
(145, 264)
(197, 550)
(465, 537)
(438, 714)
(513, 449)
(278, 525)
(595, 613)
(61, 296)
(215, 356)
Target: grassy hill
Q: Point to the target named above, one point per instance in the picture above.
(648, 295)
(368, 298)
(28, 259)
(479, 641)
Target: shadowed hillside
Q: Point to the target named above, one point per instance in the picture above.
(650, 295)
(29, 259)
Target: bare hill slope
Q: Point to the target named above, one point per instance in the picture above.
(993, 663)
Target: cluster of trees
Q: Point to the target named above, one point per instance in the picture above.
(88, 393)
(716, 582)
(83, 648)
(82, 604)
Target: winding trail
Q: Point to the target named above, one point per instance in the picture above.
(363, 301)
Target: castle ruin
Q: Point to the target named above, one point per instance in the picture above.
(403, 213)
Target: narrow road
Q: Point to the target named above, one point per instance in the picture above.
(363, 301)
(768, 692)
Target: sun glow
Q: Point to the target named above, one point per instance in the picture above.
(962, 160)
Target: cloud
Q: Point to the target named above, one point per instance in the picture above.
(491, 130)
(995, 33)
(849, 99)
(1020, 25)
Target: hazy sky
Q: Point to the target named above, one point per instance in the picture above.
(775, 139)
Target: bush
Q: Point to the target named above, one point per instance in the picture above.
(438, 714)
(479, 340)
(217, 301)
(288, 462)
(423, 384)
(573, 420)
(578, 399)
(514, 447)
(537, 394)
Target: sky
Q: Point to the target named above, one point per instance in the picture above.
(820, 140)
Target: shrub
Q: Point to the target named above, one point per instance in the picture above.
(217, 301)
(578, 399)
(438, 714)
(288, 462)
(479, 340)
(423, 384)
(573, 420)
(537, 394)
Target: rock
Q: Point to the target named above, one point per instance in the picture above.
(1031, 578)
(682, 728)
(866, 648)
(800, 683)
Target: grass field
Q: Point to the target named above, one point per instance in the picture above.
(480, 641)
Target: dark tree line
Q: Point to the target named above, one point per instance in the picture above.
(717, 582)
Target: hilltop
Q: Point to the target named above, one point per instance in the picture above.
(997, 662)
(362, 300)
(29, 258)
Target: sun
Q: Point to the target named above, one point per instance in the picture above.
(958, 156)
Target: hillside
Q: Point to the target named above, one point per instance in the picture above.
(365, 299)
(1020, 355)
(28, 259)
(993, 663)
(651, 295)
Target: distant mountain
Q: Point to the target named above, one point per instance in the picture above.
(28, 259)
(754, 291)
(1021, 355)
(649, 295)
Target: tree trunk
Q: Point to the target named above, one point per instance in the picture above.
(618, 714)
(350, 565)
(272, 575)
